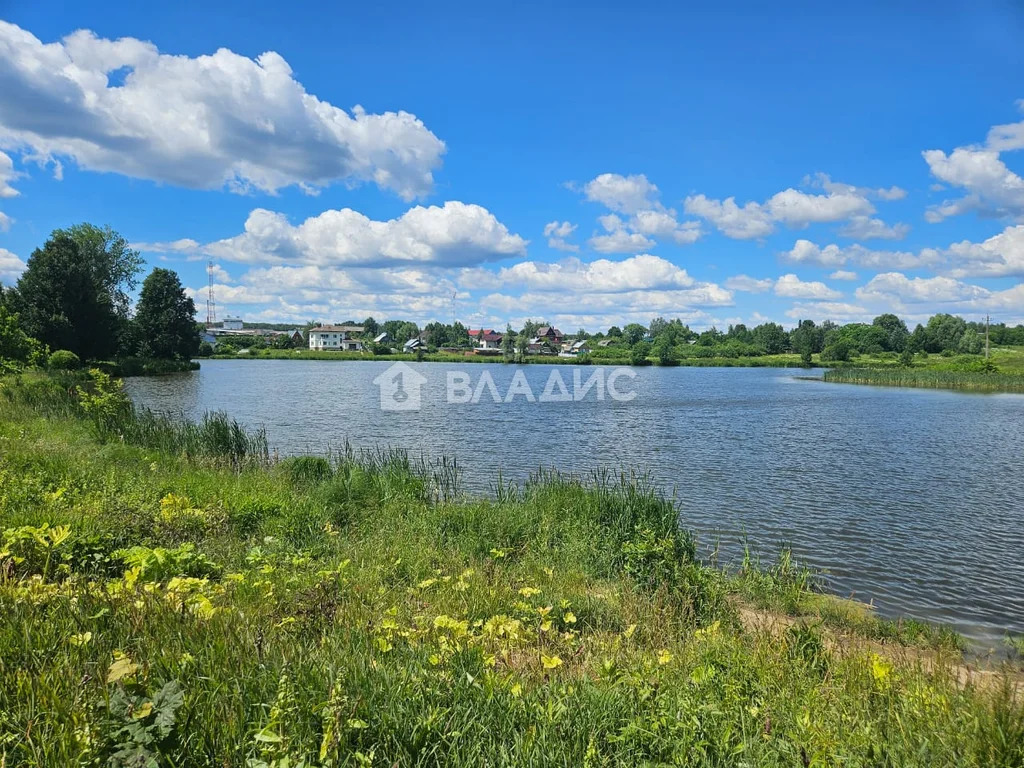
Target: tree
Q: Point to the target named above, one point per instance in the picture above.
(896, 332)
(165, 318)
(15, 344)
(740, 333)
(664, 350)
(771, 337)
(807, 339)
(65, 301)
(712, 337)
(633, 333)
(944, 332)
(370, 328)
(838, 351)
(614, 332)
(971, 342)
(639, 353)
(506, 344)
(522, 345)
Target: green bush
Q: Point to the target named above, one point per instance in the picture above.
(63, 360)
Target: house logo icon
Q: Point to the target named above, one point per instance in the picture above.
(399, 387)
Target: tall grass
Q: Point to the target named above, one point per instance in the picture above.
(928, 378)
(160, 608)
(214, 436)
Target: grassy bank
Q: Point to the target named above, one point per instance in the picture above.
(170, 594)
(928, 378)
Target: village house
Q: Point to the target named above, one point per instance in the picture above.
(336, 338)
(574, 348)
(486, 338)
(551, 335)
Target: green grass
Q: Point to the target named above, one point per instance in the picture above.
(203, 610)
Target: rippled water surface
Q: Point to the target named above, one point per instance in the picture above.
(913, 499)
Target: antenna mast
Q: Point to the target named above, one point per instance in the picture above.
(211, 305)
(454, 294)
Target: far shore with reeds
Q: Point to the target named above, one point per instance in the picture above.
(968, 381)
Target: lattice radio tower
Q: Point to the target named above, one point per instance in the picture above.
(211, 305)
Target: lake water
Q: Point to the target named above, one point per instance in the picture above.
(912, 499)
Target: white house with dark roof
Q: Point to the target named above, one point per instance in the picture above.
(336, 338)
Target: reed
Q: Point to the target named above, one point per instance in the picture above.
(928, 378)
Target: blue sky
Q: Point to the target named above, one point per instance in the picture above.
(584, 164)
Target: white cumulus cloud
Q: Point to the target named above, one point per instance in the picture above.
(749, 284)
(806, 252)
(556, 232)
(793, 287)
(1000, 256)
(895, 286)
(843, 274)
(624, 194)
(791, 207)
(868, 228)
(455, 234)
(990, 187)
(202, 122)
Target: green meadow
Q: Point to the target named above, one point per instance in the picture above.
(172, 595)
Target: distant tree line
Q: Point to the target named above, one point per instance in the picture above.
(75, 297)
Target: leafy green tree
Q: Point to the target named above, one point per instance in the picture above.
(522, 346)
(614, 332)
(971, 343)
(72, 296)
(436, 334)
(944, 332)
(165, 318)
(906, 358)
(15, 344)
(458, 336)
(664, 350)
(841, 350)
(633, 333)
(771, 337)
(507, 341)
(712, 337)
(371, 329)
(658, 325)
(639, 353)
(807, 339)
(896, 331)
(739, 333)
(918, 341)
(400, 330)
